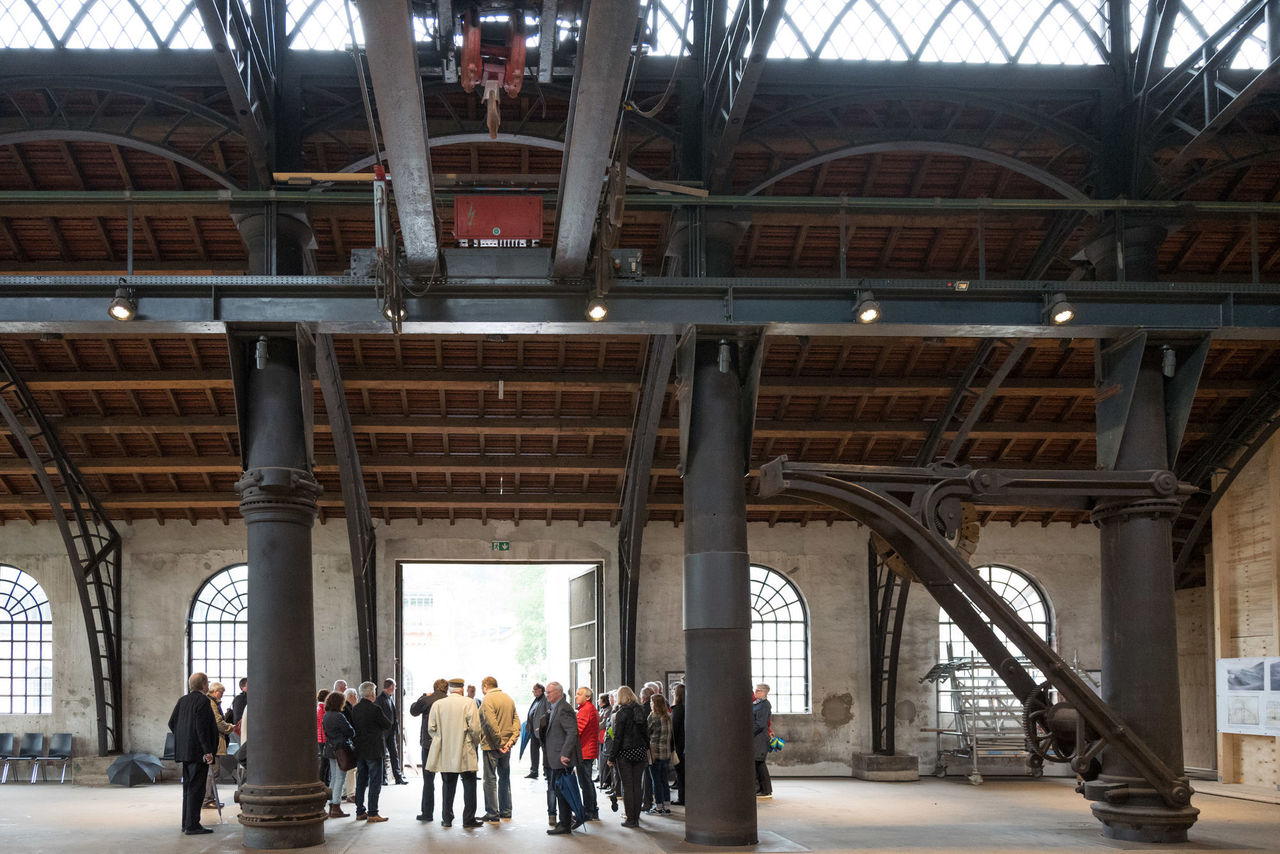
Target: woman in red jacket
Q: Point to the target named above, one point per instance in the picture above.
(589, 738)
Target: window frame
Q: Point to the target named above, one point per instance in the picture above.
(240, 629)
(760, 673)
(32, 591)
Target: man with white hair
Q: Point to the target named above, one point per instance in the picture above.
(195, 741)
(561, 754)
(454, 727)
(371, 724)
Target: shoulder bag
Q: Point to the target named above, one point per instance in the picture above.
(346, 757)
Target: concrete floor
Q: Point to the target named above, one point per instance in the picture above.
(806, 814)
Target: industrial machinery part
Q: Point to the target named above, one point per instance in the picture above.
(914, 509)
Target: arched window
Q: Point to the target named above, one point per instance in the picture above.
(26, 645)
(975, 689)
(1023, 595)
(779, 641)
(218, 628)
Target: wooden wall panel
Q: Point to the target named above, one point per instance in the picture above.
(1246, 602)
(1195, 678)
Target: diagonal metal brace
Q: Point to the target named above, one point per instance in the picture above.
(957, 590)
(248, 75)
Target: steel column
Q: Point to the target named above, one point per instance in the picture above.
(282, 802)
(717, 616)
(1139, 635)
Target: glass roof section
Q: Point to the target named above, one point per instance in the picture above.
(1045, 32)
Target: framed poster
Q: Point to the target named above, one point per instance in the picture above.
(1248, 692)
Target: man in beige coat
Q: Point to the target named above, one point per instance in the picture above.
(501, 728)
(454, 727)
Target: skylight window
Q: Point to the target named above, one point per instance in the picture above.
(1031, 32)
(100, 24)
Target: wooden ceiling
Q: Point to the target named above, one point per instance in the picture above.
(536, 428)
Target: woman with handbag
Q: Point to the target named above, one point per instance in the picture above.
(629, 753)
(338, 733)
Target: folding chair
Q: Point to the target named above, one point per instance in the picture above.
(59, 751)
(6, 753)
(31, 750)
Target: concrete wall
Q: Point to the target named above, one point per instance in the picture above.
(165, 565)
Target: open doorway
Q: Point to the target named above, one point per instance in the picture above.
(518, 622)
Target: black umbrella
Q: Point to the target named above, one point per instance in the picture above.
(134, 768)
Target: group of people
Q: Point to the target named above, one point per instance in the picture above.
(200, 730)
(639, 742)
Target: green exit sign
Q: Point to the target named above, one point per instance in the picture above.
(500, 545)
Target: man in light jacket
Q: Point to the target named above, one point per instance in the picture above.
(454, 727)
(501, 728)
(422, 707)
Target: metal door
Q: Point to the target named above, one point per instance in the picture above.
(586, 598)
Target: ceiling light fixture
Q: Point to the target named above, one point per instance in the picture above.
(390, 312)
(1058, 311)
(123, 305)
(597, 309)
(866, 308)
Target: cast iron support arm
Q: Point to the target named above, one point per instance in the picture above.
(355, 503)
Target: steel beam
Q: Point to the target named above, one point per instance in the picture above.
(604, 52)
(92, 544)
(249, 76)
(346, 305)
(397, 88)
(355, 501)
(635, 492)
(731, 82)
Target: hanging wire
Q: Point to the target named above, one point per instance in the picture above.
(675, 70)
(357, 54)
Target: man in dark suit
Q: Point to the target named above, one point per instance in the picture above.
(195, 741)
(371, 726)
(387, 702)
(561, 753)
(422, 706)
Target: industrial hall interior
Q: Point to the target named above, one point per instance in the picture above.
(912, 364)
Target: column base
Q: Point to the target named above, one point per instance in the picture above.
(283, 816)
(1145, 822)
(728, 839)
(899, 768)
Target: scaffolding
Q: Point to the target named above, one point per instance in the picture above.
(978, 718)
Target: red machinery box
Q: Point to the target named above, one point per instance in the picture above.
(497, 218)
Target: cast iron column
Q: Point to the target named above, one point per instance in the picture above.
(282, 801)
(1139, 637)
(720, 775)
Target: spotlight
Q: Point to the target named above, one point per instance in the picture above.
(1059, 311)
(597, 309)
(866, 308)
(123, 306)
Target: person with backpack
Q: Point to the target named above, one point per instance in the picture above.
(761, 712)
